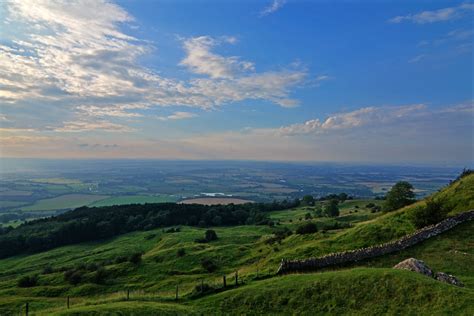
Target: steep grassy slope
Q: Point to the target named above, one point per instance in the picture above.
(458, 197)
(355, 291)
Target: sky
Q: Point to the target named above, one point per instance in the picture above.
(343, 81)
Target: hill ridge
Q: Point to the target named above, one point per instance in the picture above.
(337, 258)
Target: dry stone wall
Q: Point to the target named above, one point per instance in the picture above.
(338, 258)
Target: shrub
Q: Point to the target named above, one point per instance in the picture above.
(92, 267)
(120, 259)
(150, 237)
(73, 276)
(433, 213)
(209, 236)
(48, 269)
(203, 288)
(181, 252)
(370, 205)
(28, 281)
(135, 258)
(208, 265)
(307, 228)
(308, 216)
(100, 275)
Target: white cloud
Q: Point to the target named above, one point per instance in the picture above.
(86, 126)
(441, 15)
(348, 120)
(417, 58)
(109, 110)
(201, 60)
(177, 116)
(273, 7)
(75, 53)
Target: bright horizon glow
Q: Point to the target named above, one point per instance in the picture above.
(259, 81)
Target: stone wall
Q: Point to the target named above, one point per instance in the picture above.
(338, 258)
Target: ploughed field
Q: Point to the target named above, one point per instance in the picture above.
(215, 201)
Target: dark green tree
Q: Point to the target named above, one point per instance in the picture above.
(307, 200)
(210, 235)
(400, 195)
(331, 208)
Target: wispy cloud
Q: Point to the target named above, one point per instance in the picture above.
(273, 7)
(201, 60)
(75, 54)
(86, 126)
(177, 116)
(441, 15)
(417, 58)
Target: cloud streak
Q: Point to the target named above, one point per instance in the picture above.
(273, 7)
(441, 15)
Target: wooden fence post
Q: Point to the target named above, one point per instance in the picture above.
(128, 295)
(236, 278)
(177, 288)
(68, 302)
(202, 286)
(225, 282)
(26, 309)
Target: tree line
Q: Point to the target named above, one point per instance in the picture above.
(95, 223)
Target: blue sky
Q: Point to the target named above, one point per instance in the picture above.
(359, 81)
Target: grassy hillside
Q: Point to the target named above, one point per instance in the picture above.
(369, 287)
(355, 291)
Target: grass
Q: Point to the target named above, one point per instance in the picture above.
(67, 201)
(369, 287)
(360, 291)
(133, 199)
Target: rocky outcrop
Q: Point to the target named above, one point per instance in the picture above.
(414, 265)
(313, 264)
(448, 278)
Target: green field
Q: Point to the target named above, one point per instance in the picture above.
(365, 288)
(67, 201)
(56, 180)
(134, 199)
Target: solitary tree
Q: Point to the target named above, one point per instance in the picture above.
(307, 200)
(399, 196)
(331, 209)
(210, 235)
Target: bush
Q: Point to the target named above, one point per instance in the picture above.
(203, 288)
(307, 228)
(370, 205)
(100, 275)
(28, 281)
(120, 259)
(433, 213)
(209, 236)
(48, 269)
(208, 265)
(73, 276)
(135, 258)
(181, 252)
